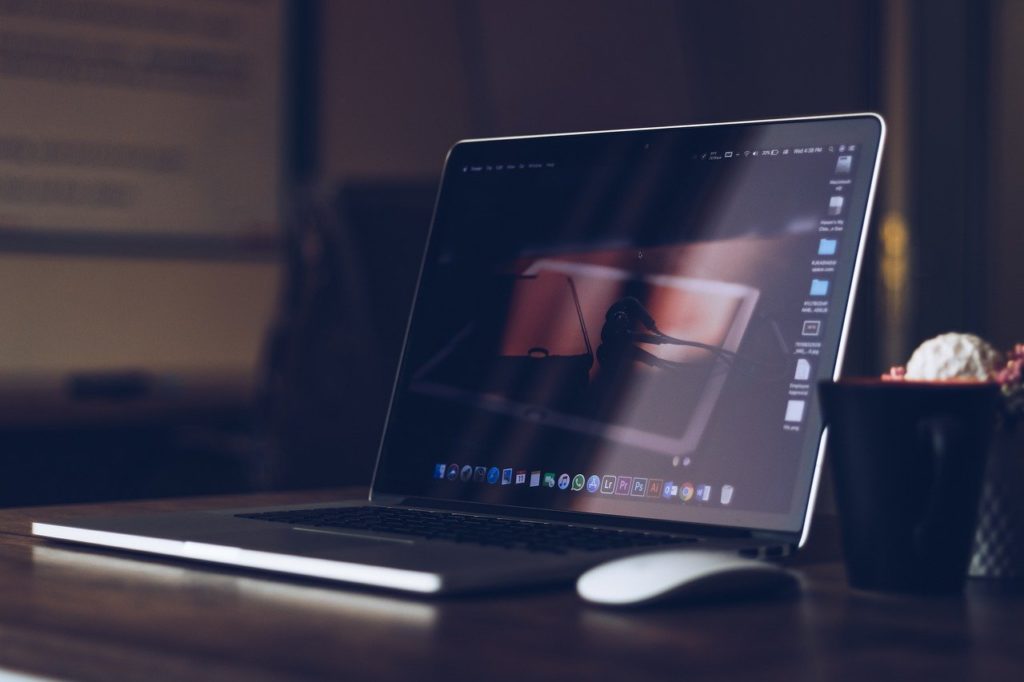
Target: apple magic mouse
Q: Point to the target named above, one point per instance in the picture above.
(680, 575)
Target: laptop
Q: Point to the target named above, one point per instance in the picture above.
(614, 346)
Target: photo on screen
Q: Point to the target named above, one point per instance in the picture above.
(586, 343)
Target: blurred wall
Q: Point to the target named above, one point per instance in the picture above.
(1004, 252)
(403, 80)
(63, 314)
(169, 132)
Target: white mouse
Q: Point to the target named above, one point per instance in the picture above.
(680, 574)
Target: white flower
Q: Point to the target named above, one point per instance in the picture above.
(953, 356)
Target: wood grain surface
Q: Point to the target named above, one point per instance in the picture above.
(68, 613)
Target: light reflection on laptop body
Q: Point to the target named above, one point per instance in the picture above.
(619, 329)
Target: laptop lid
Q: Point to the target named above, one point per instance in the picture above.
(632, 323)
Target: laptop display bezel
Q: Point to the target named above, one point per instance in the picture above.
(796, 537)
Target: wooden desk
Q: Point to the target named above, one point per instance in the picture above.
(69, 613)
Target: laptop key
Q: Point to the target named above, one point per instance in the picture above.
(464, 528)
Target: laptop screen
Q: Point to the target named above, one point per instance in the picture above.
(633, 322)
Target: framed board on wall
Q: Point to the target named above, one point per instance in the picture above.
(143, 124)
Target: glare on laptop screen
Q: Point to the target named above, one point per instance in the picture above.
(633, 323)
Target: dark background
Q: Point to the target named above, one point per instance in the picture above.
(379, 92)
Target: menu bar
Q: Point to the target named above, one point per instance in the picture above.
(720, 155)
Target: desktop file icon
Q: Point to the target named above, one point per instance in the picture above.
(803, 370)
(795, 411)
(819, 287)
(827, 247)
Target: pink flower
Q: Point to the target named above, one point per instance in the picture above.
(896, 373)
(1007, 370)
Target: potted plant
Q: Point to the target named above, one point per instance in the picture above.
(999, 538)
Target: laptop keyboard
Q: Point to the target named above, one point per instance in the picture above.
(478, 530)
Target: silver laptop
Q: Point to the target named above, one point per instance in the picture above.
(614, 346)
